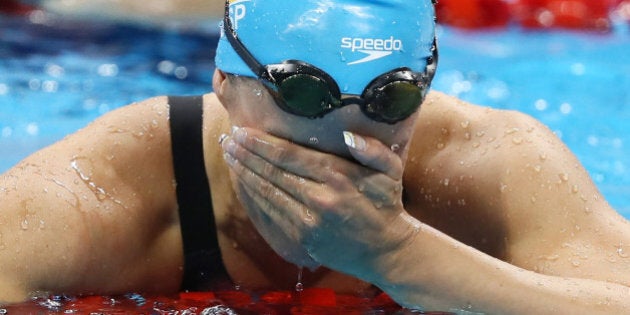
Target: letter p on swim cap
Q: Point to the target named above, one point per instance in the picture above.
(352, 40)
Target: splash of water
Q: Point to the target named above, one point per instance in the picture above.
(218, 310)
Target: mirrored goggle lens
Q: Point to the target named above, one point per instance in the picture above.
(306, 95)
(394, 101)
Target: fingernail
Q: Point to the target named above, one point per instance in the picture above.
(239, 133)
(229, 145)
(222, 138)
(229, 159)
(354, 141)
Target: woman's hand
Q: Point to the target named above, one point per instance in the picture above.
(347, 215)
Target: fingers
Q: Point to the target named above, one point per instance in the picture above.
(369, 152)
(272, 216)
(274, 202)
(248, 164)
(373, 154)
(290, 156)
(302, 172)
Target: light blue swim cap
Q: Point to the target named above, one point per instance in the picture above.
(354, 41)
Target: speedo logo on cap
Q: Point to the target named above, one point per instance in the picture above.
(374, 48)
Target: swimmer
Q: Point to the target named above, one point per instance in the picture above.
(378, 185)
(153, 12)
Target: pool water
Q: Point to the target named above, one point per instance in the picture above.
(57, 75)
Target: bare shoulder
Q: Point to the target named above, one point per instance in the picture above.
(105, 196)
(504, 183)
(447, 123)
(127, 146)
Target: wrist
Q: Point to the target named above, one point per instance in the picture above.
(403, 271)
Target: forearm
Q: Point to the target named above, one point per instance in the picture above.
(435, 272)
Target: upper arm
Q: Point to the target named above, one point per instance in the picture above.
(86, 208)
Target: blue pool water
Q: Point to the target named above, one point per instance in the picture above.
(56, 76)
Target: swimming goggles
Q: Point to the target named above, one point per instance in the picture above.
(304, 90)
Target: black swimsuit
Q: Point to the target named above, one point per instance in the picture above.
(203, 265)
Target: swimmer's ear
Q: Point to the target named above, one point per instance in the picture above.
(219, 80)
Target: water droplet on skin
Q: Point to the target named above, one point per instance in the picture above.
(465, 124)
(99, 192)
(537, 168)
(361, 187)
(511, 131)
(446, 181)
(517, 140)
(476, 144)
(395, 147)
(440, 146)
(575, 189)
(564, 177)
(621, 252)
(378, 204)
(24, 225)
(533, 199)
(542, 156)
(503, 187)
(552, 257)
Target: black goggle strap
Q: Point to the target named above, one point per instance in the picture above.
(268, 73)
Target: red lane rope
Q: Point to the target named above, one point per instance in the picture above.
(595, 15)
(15, 7)
(309, 301)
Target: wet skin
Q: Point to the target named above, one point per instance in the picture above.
(102, 213)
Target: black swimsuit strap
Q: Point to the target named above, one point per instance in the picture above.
(202, 255)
